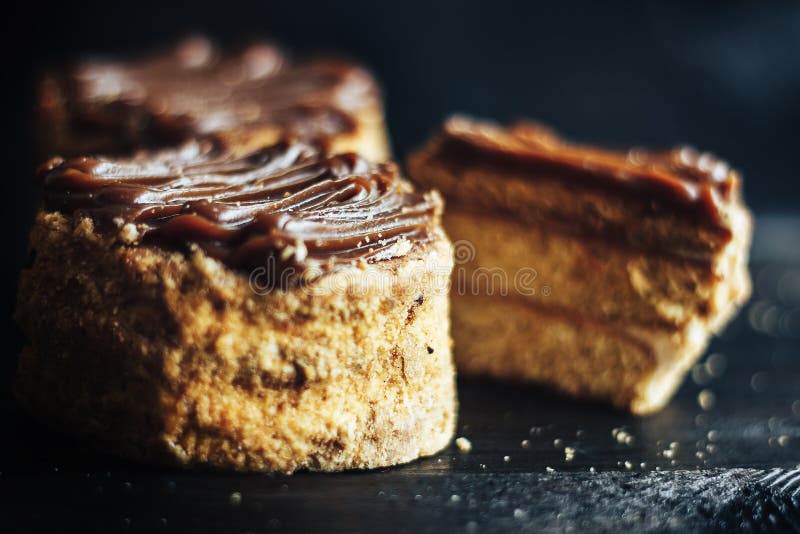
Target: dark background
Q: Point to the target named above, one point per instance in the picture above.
(722, 76)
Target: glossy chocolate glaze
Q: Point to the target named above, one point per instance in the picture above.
(698, 184)
(195, 90)
(288, 205)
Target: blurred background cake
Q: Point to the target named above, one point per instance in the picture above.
(253, 96)
(599, 273)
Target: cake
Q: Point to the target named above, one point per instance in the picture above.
(253, 96)
(601, 274)
(280, 310)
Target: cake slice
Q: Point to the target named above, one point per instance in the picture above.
(599, 273)
(253, 97)
(276, 311)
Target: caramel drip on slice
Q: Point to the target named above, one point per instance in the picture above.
(683, 178)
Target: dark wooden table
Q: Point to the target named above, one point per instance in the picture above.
(724, 454)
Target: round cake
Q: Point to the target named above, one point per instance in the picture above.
(282, 310)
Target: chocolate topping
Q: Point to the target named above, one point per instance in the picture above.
(288, 205)
(698, 184)
(195, 90)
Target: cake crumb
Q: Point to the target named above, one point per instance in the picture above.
(623, 436)
(300, 250)
(129, 233)
(706, 399)
(463, 444)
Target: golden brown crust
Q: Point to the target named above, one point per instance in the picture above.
(163, 356)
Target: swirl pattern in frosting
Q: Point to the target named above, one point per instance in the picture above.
(289, 204)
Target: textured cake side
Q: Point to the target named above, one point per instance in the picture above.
(160, 355)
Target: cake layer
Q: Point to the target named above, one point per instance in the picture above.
(596, 279)
(676, 203)
(509, 338)
(175, 357)
(253, 98)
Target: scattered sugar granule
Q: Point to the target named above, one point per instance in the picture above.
(463, 444)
